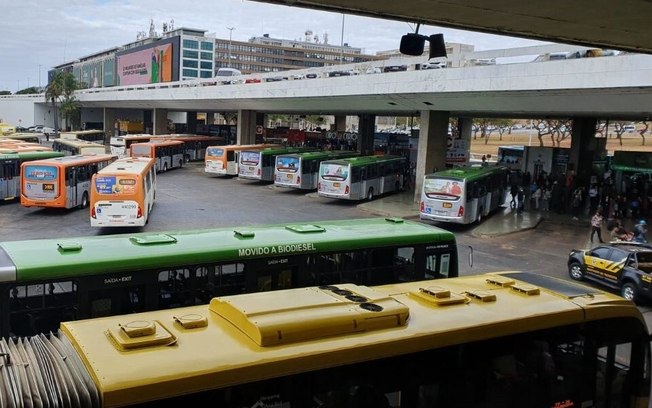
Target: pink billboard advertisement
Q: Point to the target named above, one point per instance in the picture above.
(147, 66)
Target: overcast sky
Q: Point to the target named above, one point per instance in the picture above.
(39, 34)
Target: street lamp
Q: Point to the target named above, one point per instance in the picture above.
(230, 32)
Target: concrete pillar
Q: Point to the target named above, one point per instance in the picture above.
(340, 124)
(110, 124)
(191, 122)
(433, 140)
(246, 127)
(465, 127)
(366, 134)
(160, 122)
(585, 148)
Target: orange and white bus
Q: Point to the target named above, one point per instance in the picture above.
(169, 154)
(123, 193)
(223, 160)
(62, 182)
(194, 145)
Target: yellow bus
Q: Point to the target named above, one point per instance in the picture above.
(75, 147)
(22, 147)
(223, 160)
(508, 339)
(91, 135)
(122, 193)
(25, 137)
(169, 154)
(62, 182)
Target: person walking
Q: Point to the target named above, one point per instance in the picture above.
(513, 191)
(640, 231)
(596, 226)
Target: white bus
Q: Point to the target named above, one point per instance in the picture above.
(259, 164)
(357, 178)
(76, 147)
(301, 170)
(121, 145)
(464, 194)
(123, 193)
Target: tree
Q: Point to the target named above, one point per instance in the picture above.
(541, 125)
(560, 130)
(619, 129)
(503, 126)
(643, 131)
(29, 91)
(63, 85)
(70, 111)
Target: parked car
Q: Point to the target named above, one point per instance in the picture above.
(433, 65)
(312, 76)
(35, 128)
(47, 130)
(253, 81)
(625, 266)
(224, 73)
(339, 73)
(276, 79)
(395, 68)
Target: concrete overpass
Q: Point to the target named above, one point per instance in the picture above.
(606, 87)
(620, 25)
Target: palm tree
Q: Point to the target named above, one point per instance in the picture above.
(70, 110)
(63, 84)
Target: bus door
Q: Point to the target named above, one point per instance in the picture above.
(9, 180)
(114, 296)
(436, 261)
(71, 187)
(271, 274)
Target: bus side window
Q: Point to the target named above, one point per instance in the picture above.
(174, 288)
(435, 269)
(356, 175)
(231, 279)
(404, 264)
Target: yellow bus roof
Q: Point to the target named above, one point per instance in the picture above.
(245, 338)
(72, 160)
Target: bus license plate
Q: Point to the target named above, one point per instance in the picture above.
(336, 184)
(289, 176)
(447, 205)
(48, 187)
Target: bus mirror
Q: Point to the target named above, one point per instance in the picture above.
(470, 256)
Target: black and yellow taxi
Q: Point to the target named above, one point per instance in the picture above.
(625, 266)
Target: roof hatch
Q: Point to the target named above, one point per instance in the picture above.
(281, 317)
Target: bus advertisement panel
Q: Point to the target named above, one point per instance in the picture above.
(123, 193)
(463, 195)
(40, 182)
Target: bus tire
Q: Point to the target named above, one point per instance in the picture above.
(629, 291)
(370, 194)
(84, 200)
(575, 271)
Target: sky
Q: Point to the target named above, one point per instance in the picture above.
(40, 34)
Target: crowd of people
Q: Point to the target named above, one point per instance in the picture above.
(615, 206)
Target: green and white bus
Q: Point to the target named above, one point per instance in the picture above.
(464, 194)
(259, 164)
(84, 277)
(357, 178)
(10, 171)
(301, 170)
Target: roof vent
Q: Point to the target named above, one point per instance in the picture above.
(244, 234)
(69, 247)
(139, 334)
(286, 316)
(500, 281)
(305, 228)
(438, 296)
(153, 239)
(526, 289)
(482, 295)
(191, 321)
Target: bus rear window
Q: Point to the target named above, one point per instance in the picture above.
(40, 173)
(442, 188)
(141, 150)
(334, 172)
(251, 158)
(115, 185)
(287, 164)
(215, 152)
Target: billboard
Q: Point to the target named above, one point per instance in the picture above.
(145, 66)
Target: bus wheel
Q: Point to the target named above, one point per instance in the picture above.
(628, 291)
(84, 201)
(370, 194)
(575, 271)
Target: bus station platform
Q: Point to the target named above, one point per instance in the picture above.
(503, 221)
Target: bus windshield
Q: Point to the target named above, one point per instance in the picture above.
(140, 149)
(287, 164)
(442, 188)
(334, 172)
